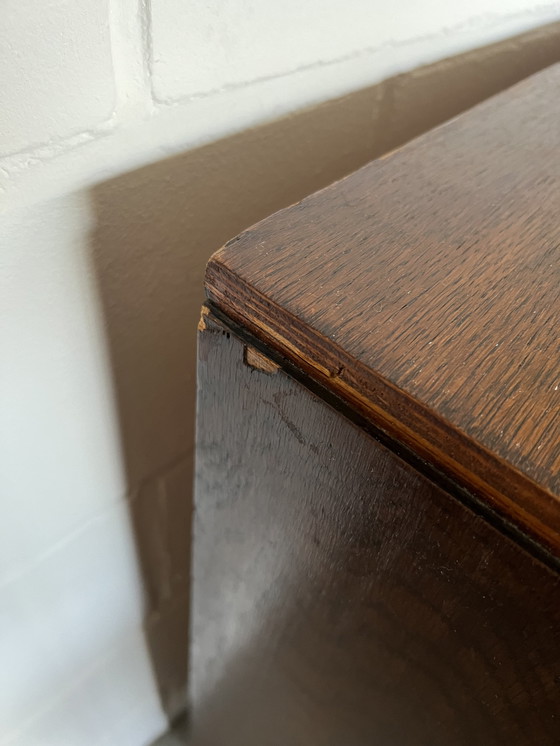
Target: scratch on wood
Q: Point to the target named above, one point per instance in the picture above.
(337, 373)
(255, 359)
(202, 326)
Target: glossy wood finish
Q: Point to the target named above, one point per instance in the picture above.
(340, 597)
(425, 290)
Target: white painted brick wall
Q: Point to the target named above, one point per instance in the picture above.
(239, 42)
(97, 291)
(57, 73)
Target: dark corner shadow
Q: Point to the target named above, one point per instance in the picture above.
(156, 228)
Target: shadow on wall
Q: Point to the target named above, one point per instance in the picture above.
(156, 228)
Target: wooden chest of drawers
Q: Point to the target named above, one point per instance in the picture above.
(377, 529)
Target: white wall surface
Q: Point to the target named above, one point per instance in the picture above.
(91, 324)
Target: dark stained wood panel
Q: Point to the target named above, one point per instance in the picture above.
(425, 290)
(341, 598)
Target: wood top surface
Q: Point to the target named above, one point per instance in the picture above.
(424, 290)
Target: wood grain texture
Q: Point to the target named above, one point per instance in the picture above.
(425, 290)
(340, 597)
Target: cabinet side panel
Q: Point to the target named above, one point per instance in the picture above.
(339, 597)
